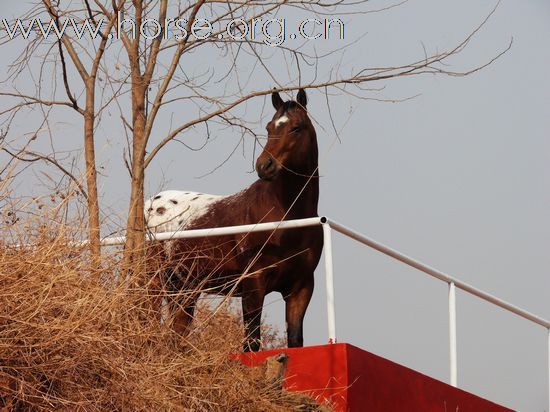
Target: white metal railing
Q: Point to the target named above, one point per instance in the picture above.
(329, 225)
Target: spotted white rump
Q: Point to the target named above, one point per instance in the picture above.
(174, 209)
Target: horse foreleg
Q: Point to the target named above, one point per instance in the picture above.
(296, 305)
(253, 294)
(182, 316)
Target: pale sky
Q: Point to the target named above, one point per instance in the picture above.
(456, 177)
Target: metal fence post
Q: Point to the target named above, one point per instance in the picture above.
(329, 279)
(452, 334)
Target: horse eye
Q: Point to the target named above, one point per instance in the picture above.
(295, 129)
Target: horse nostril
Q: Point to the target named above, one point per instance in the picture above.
(268, 165)
(161, 210)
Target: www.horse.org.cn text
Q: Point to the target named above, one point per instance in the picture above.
(272, 32)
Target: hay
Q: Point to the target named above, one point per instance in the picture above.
(69, 342)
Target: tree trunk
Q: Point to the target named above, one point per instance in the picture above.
(91, 177)
(134, 248)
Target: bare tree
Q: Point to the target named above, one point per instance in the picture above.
(159, 43)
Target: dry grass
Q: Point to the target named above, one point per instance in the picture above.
(69, 342)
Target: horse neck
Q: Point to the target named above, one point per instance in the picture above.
(298, 187)
(298, 192)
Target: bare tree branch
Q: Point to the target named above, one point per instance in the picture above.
(37, 157)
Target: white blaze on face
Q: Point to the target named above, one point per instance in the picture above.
(173, 210)
(281, 120)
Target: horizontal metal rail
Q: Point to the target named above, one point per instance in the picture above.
(437, 274)
(221, 231)
(313, 221)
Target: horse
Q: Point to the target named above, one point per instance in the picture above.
(250, 265)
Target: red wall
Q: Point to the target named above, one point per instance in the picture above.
(352, 379)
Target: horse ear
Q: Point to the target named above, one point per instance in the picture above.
(276, 100)
(301, 98)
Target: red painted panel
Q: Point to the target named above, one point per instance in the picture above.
(355, 380)
(387, 386)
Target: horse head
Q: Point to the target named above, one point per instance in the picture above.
(291, 140)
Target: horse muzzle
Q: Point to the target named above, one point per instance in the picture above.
(267, 169)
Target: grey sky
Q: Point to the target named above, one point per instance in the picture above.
(456, 177)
